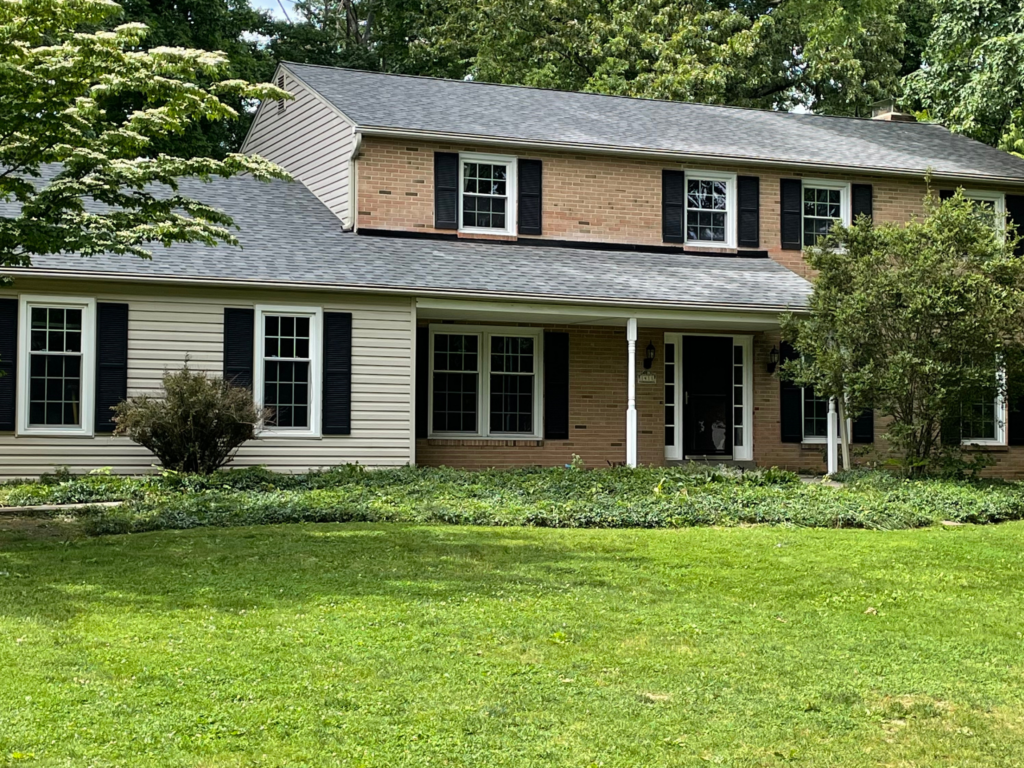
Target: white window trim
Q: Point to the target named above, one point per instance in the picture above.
(88, 307)
(483, 410)
(511, 191)
(998, 200)
(845, 202)
(730, 212)
(315, 366)
(1001, 416)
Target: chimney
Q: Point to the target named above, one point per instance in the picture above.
(886, 110)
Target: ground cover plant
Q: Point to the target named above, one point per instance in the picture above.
(552, 497)
(401, 645)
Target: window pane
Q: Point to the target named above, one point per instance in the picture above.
(455, 397)
(511, 403)
(822, 208)
(286, 337)
(455, 352)
(815, 414)
(706, 207)
(55, 390)
(979, 421)
(286, 392)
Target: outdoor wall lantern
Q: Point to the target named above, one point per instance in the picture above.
(649, 357)
(773, 359)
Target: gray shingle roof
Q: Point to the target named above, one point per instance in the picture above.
(457, 107)
(290, 238)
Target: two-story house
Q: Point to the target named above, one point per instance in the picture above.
(483, 275)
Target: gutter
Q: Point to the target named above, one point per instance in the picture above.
(609, 149)
(553, 299)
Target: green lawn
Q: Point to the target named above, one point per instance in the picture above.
(391, 645)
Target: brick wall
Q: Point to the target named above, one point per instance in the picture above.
(597, 412)
(590, 197)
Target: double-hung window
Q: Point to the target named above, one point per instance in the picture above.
(824, 203)
(487, 194)
(287, 374)
(990, 205)
(984, 422)
(815, 416)
(710, 216)
(485, 381)
(57, 365)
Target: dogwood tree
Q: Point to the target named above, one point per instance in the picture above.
(75, 178)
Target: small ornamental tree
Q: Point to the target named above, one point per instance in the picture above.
(197, 426)
(922, 322)
(85, 181)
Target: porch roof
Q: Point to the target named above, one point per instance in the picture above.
(290, 240)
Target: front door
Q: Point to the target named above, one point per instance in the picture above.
(707, 395)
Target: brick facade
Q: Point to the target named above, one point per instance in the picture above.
(595, 198)
(591, 198)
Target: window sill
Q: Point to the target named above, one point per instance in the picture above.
(488, 442)
(986, 447)
(55, 433)
(276, 433)
(483, 234)
(722, 248)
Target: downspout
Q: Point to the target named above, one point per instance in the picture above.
(353, 182)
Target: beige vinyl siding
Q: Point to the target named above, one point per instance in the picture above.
(310, 140)
(168, 325)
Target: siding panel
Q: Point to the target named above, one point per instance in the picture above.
(311, 141)
(166, 326)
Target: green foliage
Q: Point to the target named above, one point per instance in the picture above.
(229, 26)
(550, 498)
(914, 321)
(835, 57)
(196, 426)
(110, 192)
(972, 77)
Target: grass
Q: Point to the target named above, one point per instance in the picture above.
(403, 645)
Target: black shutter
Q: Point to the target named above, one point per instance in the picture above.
(791, 221)
(422, 380)
(946, 194)
(111, 362)
(530, 186)
(673, 193)
(446, 190)
(337, 383)
(748, 194)
(1015, 422)
(239, 326)
(791, 407)
(1015, 210)
(556, 385)
(862, 200)
(8, 362)
(864, 427)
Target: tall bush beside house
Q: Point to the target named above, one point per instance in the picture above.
(197, 426)
(922, 322)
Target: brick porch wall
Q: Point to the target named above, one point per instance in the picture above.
(597, 412)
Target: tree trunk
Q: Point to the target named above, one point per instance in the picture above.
(844, 434)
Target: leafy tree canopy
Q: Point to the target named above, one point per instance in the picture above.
(81, 178)
(972, 77)
(919, 322)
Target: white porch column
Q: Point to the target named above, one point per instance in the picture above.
(833, 432)
(631, 393)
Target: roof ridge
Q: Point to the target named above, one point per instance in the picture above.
(520, 86)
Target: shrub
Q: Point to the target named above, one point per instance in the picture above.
(197, 426)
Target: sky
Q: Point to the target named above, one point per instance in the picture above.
(274, 7)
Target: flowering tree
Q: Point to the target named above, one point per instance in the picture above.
(75, 178)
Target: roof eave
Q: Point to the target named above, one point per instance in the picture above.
(603, 149)
(774, 309)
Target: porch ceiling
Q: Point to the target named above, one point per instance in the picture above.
(568, 314)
